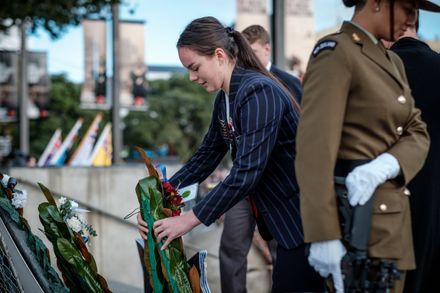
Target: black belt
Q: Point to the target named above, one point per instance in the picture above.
(343, 167)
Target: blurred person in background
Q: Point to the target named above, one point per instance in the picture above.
(422, 67)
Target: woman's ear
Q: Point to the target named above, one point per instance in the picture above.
(375, 7)
(221, 55)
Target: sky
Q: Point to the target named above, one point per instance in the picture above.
(166, 19)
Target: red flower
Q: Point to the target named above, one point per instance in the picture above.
(176, 200)
(168, 187)
(173, 198)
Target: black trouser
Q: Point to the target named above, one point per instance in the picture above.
(292, 272)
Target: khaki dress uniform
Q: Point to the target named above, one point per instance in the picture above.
(356, 106)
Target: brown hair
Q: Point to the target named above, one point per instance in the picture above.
(256, 33)
(358, 3)
(204, 35)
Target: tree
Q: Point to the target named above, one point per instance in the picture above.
(178, 116)
(52, 16)
(64, 110)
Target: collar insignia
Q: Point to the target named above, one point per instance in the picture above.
(355, 38)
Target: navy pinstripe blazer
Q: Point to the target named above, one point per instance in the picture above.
(262, 144)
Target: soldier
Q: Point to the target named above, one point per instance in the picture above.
(359, 121)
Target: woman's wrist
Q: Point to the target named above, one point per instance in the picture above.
(192, 219)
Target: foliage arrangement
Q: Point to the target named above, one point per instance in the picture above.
(36, 245)
(75, 262)
(168, 269)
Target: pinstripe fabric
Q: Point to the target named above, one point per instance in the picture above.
(263, 153)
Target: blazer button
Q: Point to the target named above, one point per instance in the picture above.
(399, 130)
(401, 99)
(383, 207)
(406, 192)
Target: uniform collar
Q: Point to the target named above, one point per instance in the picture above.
(370, 35)
(376, 52)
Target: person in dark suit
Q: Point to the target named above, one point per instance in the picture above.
(422, 69)
(259, 40)
(239, 223)
(254, 118)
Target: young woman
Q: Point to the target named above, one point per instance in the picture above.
(255, 119)
(358, 121)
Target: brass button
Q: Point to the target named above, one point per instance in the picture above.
(399, 130)
(406, 192)
(383, 207)
(401, 99)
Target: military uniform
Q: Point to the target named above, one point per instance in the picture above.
(356, 106)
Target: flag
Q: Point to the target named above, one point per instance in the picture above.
(51, 148)
(102, 152)
(84, 150)
(60, 156)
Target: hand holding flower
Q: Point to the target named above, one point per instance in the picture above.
(171, 228)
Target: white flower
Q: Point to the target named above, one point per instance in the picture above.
(5, 180)
(73, 204)
(75, 224)
(80, 217)
(19, 198)
(62, 200)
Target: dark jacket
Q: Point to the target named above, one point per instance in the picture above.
(422, 66)
(293, 84)
(262, 143)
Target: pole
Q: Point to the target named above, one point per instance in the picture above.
(278, 33)
(23, 93)
(116, 118)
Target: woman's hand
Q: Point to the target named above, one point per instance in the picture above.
(173, 227)
(142, 227)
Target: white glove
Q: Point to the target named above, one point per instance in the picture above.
(325, 257)
(363, 180)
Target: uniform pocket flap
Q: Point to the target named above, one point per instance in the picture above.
(387, 201)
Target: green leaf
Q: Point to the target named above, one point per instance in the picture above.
(87, 276)
(55, 213)
(173, 259)
(186, 194)
(151, 254)
(47, 194)
(53, 229)
(7, 206)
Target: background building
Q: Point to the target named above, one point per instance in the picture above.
(299, 36)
